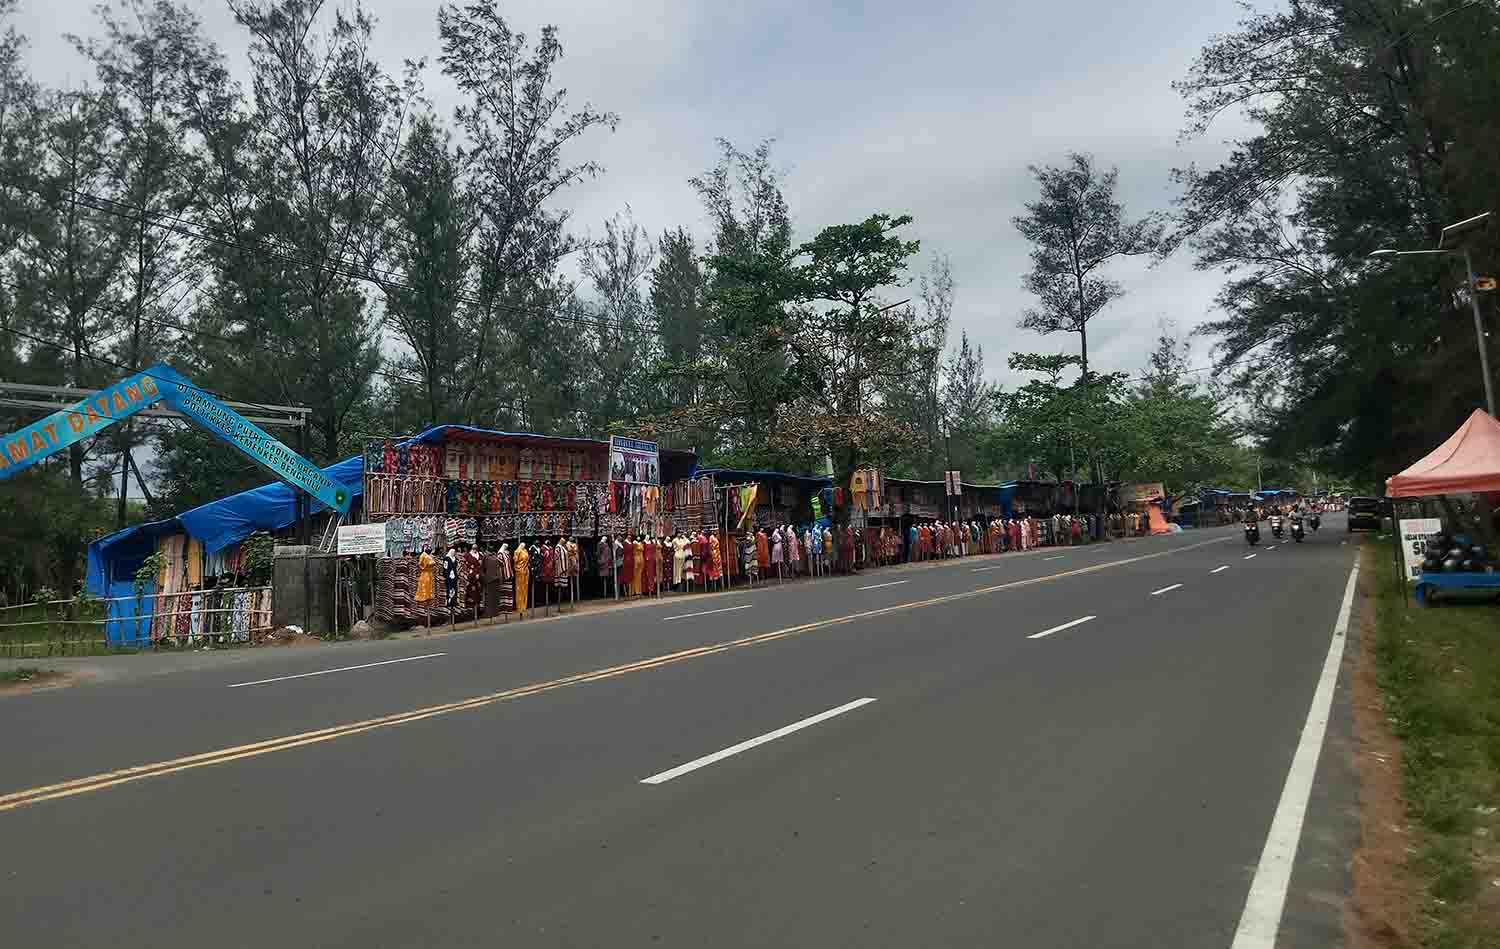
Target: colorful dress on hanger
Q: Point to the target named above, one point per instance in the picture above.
(427, 564)
(521, 563)
(715, 558)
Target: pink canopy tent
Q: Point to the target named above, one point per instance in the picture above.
(1469, 461)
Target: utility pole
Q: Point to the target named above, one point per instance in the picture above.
(1458, 234)
(1484, 349)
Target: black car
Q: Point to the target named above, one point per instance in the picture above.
(1364, 514)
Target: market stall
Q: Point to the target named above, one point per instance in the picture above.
(1448, 512)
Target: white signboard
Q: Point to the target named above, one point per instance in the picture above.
(356, 539)
(954, 483)
(1414, 535)
(634, 461)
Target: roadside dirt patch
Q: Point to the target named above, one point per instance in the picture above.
(1384, 909)
(287, 637)
(39, 681)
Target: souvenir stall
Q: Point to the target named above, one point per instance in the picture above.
(1447, 507)
(205, 586)
(481, 524)
(878, 515)
(773, 525)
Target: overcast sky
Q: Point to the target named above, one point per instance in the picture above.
(931, 108)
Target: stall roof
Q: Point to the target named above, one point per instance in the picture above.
(474, 433)
(750, 474)
(135, 541)
(1468, 461)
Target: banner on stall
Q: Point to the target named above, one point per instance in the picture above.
(1145, 492)
(358, 539)
(633, 461)
(1415, 533)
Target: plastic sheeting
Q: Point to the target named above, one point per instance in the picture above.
(114, 558)
(227, 521)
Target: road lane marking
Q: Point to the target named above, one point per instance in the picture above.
(324, 672)
(727, 609)
(893, 583)
(1271, 547)
(1051, 558)
(732, 750)
(108, 779)
(1251, 557)
(1169, 589)
(1057, 629)
(1219, 569)
(1261, 918)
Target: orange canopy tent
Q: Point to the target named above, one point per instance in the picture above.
(1469, 461)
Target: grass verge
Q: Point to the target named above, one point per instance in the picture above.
(1439, 671)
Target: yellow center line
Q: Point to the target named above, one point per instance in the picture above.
(108, 779)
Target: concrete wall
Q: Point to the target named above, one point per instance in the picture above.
(302, 597)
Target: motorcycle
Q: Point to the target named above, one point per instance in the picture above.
(1314, 521)
(1297, 532)
(1276, 526)
(1252, 533)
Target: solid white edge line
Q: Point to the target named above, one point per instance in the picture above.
(1261, 919)
(324, 672)
(1057, 629)
(782, 732)
(1169, 589)
(1219, 569)
(877, 586)
(727, 609)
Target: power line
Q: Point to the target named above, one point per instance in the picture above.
(179, 383)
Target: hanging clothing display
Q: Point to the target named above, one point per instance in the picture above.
(521, 563)
(425, 578)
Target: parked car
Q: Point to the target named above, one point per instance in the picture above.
(1365, 514)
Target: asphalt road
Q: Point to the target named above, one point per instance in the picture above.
(1111, 783)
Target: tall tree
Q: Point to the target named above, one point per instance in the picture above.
(1075, 228)
(968, 398)
(325, 115)
(518, 124)
(749, 256)
(143, 61)
(678, 291)
(20, 156)
(1370, 122)
(429, 232)
(67, 275)
(620, 337)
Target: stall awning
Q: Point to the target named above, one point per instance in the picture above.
(228, 521)
(1468, 461)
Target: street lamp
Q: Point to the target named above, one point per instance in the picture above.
(1457, 234)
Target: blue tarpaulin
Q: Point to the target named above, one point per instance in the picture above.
(227, 521)
(128, 622)
(217, 524)
(116, 557)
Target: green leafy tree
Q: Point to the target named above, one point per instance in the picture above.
(1371, 124)
(1076, 227)
(429, 230)
(518, 124)
(324, 117)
